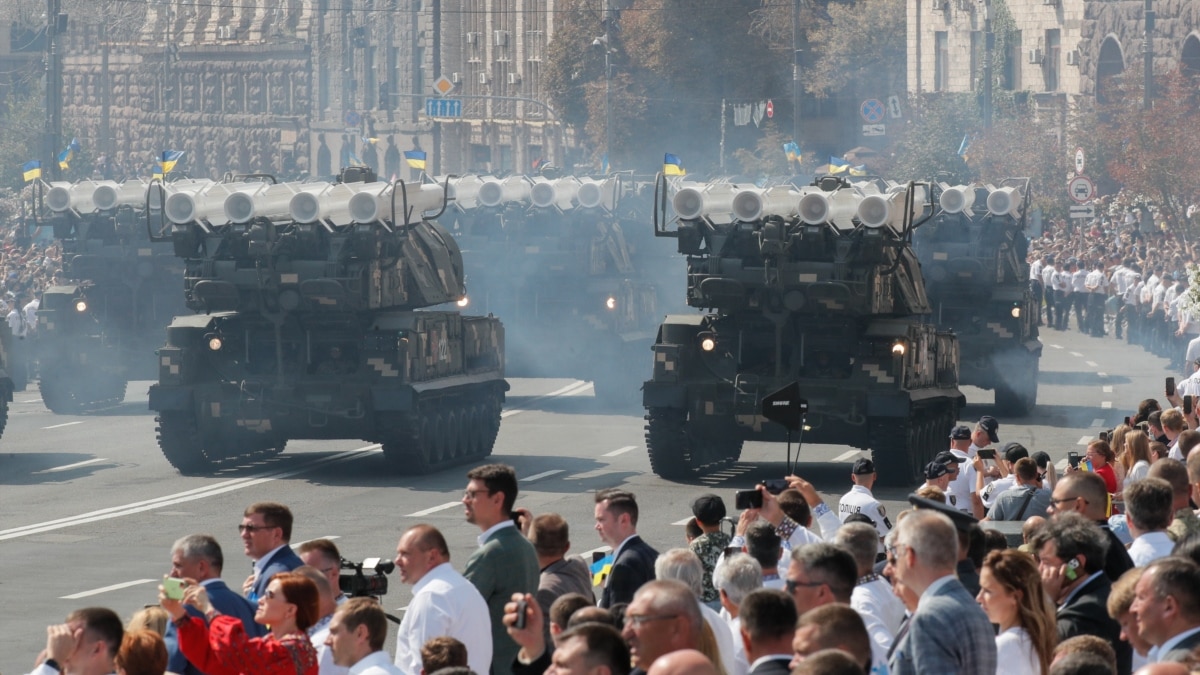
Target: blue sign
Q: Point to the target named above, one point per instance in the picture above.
(443, 107)
(353, 119)
(872, 110)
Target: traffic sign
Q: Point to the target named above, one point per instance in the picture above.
(443, 107)
(874, 129)
(352, 118)
(1081, 189)
(1087, 211)
(443, 85)
(871, 110)
(894, 107)
(770, 109)
(1078, 161)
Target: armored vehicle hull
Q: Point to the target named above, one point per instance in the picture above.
(805, 294)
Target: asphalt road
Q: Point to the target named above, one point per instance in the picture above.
(89, 508)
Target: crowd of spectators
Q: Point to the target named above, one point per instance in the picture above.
(796, 586)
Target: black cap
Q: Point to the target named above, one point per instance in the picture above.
(1042, 459)
(935, 470)
(1013, 452)
(990, 425)
(863, 466)
(947, 457)
(708, 509)
(960, 433)
(961, 519)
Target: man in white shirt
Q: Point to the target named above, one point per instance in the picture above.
(319, 631)
(1048, 273)
(356, 636)
(963, 485)
(1166, 606)
(1079, 294)
(872, 597)
(1096, 286)
(860, 500)
(1009, 456)
(443, 603)
(1148, 511)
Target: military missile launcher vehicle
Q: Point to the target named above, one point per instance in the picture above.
(99, 328)
(310, 325)
(571, 268)
(973, 256)
(816, 286)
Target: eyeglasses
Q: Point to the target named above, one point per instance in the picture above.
(1055, 502)
(254, 528)
(637, 620)
(792, 585)
(470, 494)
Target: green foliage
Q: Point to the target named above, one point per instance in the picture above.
(767, 156)
(928, 145)
(861, 46)
(22, 118)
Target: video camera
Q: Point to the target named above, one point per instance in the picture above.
(358, 585)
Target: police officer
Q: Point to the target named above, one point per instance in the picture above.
(860, 500)
(1035, 284)
(1096, 286)
(1048, 272)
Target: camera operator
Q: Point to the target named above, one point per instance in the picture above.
(356, 636)
(323, 555)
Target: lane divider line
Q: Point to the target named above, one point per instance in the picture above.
(1077, 354)
(64, 424)
(544, 474)
(114, 587)
(433, 509)
(1092, 363)
(847, 456)
(1107, 388)
(1098, 422)
(682, 522)
(1101, 374)
(68, 467)
(620, 451)
(1084, 440)
(568, 390)
(1106, 405)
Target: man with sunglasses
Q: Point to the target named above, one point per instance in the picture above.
(266, 530)
(1085, 493)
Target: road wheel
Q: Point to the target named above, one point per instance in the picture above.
(410, 449)
(679, 450)
(3, 415)
(58, 395)
(179, 440)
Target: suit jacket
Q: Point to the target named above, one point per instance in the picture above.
(1117, 560)
(283, 560)
(505, 564)
(1087, 614)
(569, 575)
(631, 569)
(948, 634)
(225, 601)
(772, 667)
(1182, 650)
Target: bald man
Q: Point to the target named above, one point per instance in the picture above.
(683, 662)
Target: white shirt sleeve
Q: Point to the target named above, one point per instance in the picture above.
(425, 619)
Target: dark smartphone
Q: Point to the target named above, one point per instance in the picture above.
(1074, 458)
(775, 485)
(987, 453)
(522, 608)
(1188, 402)
(747, 499)
(1170, 386)
(1127, 420)
(1106, 436)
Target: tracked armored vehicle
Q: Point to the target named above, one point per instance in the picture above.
(100, 328)
(973, 256)
(816, 286)
(571, 268)
(310, 325)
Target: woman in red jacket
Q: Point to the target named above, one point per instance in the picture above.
(221, 646)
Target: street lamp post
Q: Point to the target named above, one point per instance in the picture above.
(602, 41)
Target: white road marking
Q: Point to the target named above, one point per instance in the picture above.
(33, 400)
(1102, 374)
(1062, 465)
(1057, 346)
(569, 390)
(1107, 388)
(114, 587)
(594, 473)
(1077, 354)
(67, 467)
(1084, 440)
(539, 476)
(181, 497)
(847, 456)
(682, 522)
(64, 424)
(620, 451)
(1098, 422)
(1092, 363)
(1106, 404)
(434, 509)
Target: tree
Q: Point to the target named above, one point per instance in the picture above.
(928, 145)
(1020, 145)
(22, 119)
(861, 47)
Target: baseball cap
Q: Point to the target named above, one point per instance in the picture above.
(935, 470)
(947, 457)
(990, 425)
(708, 509)
(1042, 458)
(1013, 452)
(961, 519)
(960, 433)
(863, 466)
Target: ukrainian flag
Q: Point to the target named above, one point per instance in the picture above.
(792, 151)
(415, 158)
(65, 157)
(31, 170)
(601, 568)
(962, 147)
(838, 165)
(860, 170)
(169, 159)
(673, 166)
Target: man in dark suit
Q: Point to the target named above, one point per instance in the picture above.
(633, 560)
(948, 632)
(1084, 492)
(1166, 606)
(266, 530)
(1071, 554)
(505, 562)
(768, 623)
(198, 558)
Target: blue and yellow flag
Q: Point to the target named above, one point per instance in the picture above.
(792, 151)
(65, 157)
(962, 147)
(368, 141)
(860, 170)
(673, 166)
(31, 170)
(355, 161)
(600, 569)
(169, 159)
(838, 165)
(604, 164)
(415, 158)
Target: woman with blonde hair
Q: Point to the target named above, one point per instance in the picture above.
(1010, 592)
(1123, 463)
(1137, 449)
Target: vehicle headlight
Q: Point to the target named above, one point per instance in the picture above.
(899, 348)
(1016, 312)
(80, 305)
(708, 344)
(611, 302)
(215, 343)
(463, 301)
